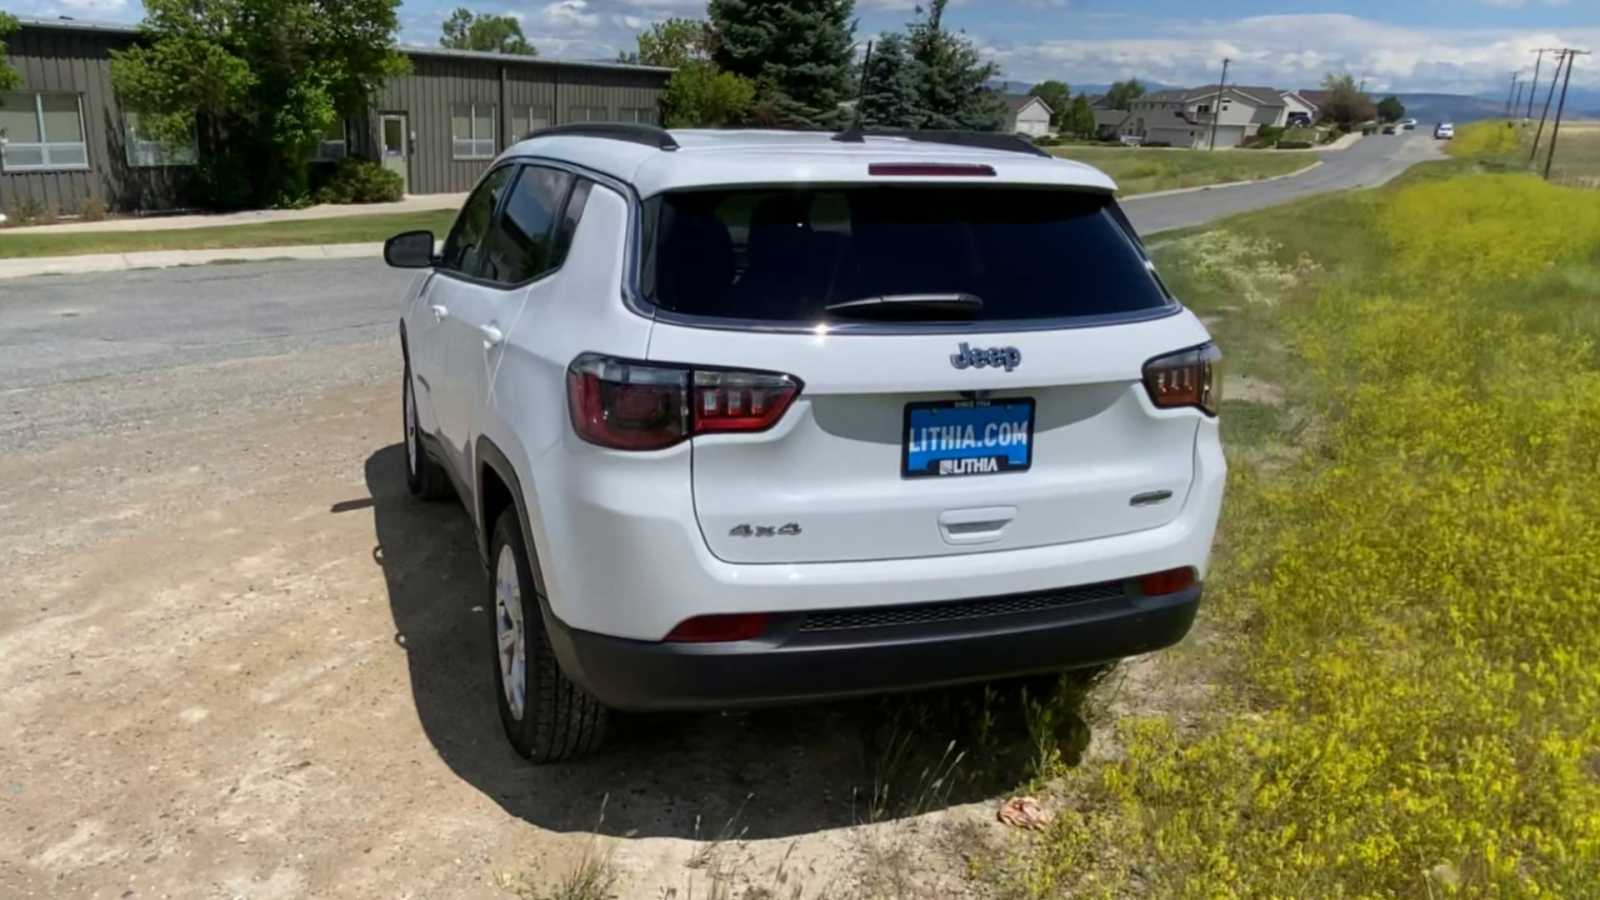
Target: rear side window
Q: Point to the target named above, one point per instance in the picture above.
(522, 244)
(787, 254)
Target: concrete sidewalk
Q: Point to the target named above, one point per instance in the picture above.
(160, 259)
(412, 203)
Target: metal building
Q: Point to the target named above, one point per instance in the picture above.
(64, 138)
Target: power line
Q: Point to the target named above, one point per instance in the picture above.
(1216, 105)
(1555, 133)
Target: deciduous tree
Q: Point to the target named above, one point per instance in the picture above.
(489, 33)
(797, 52)
(9, 77)
(259, 81)
(1390, 109)
(671, 43)
(1058, 97)
(1345, 105)
(1122, 93)
(699, 95)
(1081, 119)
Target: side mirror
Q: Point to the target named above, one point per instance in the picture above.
(410, 250)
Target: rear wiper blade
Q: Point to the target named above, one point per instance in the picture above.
(909, 305)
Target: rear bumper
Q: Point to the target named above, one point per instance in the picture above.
(796, 661)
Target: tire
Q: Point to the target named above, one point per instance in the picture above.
(552, 719)
(424, 477)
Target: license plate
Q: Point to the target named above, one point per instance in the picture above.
(967, 437)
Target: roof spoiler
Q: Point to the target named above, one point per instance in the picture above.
(648, 135)
(982, 140)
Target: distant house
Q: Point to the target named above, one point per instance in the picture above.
(1111, 124)
(1027, 115)
(1194, 117)
(1297, 103)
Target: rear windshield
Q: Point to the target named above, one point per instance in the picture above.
(782, 254)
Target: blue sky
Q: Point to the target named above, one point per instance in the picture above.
(1465, 46)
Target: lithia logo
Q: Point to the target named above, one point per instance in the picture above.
(1008, 357)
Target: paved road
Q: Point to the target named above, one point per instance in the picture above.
(62, 328)
(1370, 162)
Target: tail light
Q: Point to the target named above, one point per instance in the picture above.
(629, 405)
(1187, 378)
(1171, 581)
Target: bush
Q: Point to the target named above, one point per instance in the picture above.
(92, 210)
(1268, 136)
(361, 181)
(1295, 145)
(25, 211)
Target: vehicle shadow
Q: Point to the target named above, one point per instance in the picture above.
(753, 774)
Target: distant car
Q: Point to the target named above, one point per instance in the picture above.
(1391, 129)
(1408, 124)
(1446, 131)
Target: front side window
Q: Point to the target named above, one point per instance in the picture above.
(464, 248)
(472, 130)
(525, 119)
(521, 245)
(147, 150)
(788, 254)
(41, 131)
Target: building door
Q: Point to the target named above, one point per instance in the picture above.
(397, 147)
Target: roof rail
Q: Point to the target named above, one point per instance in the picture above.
(984, 140)
(648, 135)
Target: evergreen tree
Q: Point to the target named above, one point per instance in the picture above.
(889, 97)
(798, 52)
(952, 79)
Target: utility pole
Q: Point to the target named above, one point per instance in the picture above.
(1509, 90)
(1555, 133)
(1517, 107)
(1216, 105)
(1534, 89)
(1561, 57)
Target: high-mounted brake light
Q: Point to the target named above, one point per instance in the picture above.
(1190, 377)
(953, 170)
(629, 405)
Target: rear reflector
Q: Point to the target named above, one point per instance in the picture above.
(627, 405)
(1169, 582)
(950, 170)
(711, 629)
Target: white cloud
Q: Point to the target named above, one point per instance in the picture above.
(569, 14)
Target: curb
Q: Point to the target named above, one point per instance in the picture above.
(163, 259)
(1226, 184)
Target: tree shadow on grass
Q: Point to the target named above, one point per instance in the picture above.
(751, 774)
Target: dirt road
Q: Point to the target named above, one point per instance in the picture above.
(237, 661)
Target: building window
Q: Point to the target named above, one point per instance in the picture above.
(147, 150)
(334, 144)
(642, 115)
(526, 119)
(588, 114)
(472, 130)
(42, 131)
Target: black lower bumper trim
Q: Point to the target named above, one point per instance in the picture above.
(791, 665)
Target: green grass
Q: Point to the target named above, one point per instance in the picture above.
(341, 230)
(1401, 626)
(1139, 171)
(1495, 146)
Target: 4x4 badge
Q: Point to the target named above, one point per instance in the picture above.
(1008, 357)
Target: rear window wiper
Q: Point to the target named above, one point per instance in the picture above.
(910, 306)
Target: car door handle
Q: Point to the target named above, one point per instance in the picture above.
(492, 336)
(440, 313)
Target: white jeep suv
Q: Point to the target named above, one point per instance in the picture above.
(765, 417)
